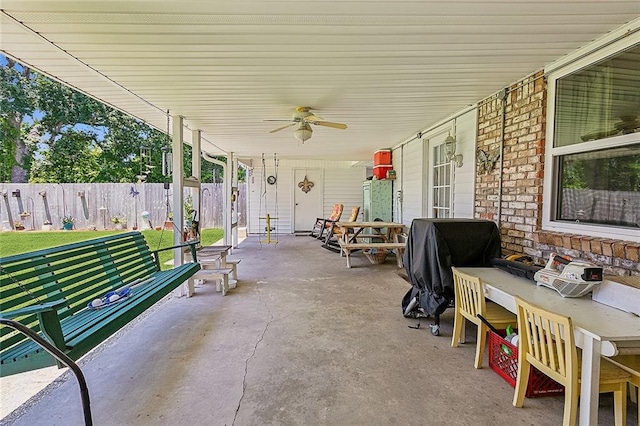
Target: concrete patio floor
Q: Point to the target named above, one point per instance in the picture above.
(301, 340)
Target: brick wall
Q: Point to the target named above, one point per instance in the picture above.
(522, 162)
(519, 207)
(615, 256)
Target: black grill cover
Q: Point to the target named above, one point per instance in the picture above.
(435, 245)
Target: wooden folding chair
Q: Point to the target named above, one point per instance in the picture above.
(547, 343)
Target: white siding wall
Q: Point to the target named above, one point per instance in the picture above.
(464, 181)
(412, 167)
(262, 200)
(342, 183)
(412, 181)
(343, 186)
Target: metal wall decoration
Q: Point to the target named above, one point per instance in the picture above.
(486, 160)
(305, 185)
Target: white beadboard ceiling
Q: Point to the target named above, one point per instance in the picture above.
(388, 69)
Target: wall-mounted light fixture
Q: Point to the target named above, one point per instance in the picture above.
(81, 194)
(43, 194)
(15, 193)
(450, 151)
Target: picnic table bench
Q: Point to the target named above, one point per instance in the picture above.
(347, 248)
(353, 238)
(50, 292)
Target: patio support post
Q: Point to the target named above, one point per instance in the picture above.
(234, 215)
(228, 173)
(178, 184)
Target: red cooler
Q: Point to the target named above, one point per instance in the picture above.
(380, 172)
(382, 157)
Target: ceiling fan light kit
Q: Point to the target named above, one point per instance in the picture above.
(303, 132)
(303, 118)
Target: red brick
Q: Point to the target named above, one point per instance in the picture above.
(586, 243)
(576, 242)
(631, 251)
(607, 248)
(557, 240)
(596, 246)
(618, 250)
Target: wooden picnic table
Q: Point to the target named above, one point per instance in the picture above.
(377, 235)
(213, 260)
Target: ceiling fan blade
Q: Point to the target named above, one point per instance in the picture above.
(282, 128)
(329, 124)
(275, 119)
(312, 118)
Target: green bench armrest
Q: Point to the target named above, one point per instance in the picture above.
(47, 318)
(190, 244)
(34, 309)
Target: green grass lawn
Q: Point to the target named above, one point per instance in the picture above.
(24, 241)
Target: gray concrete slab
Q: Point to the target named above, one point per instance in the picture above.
(301, 340)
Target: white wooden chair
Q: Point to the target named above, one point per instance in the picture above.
(469, 302)
(547, 343)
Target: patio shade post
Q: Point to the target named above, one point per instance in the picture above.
(234, 203)
(178, 173)
(228, 173)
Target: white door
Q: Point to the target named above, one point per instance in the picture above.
(307, 198)
(440, 187)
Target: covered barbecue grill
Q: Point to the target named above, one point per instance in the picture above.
(434, 246)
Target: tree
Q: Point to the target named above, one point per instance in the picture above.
(52, 133)
(73, 158)
(17, 100)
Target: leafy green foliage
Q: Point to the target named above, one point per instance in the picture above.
(72, 158)
(51, 133)
(619, 173)
(17, 101)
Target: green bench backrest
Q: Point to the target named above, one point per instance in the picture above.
(78, 272)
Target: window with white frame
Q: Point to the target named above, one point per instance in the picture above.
(593, 163)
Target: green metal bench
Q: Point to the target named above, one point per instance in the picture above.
(49, 291)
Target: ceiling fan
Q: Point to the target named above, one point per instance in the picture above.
(302, 118)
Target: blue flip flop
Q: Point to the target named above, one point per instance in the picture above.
(110, 298)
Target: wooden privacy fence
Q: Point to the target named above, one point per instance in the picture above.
(600, 206)
(93, 205)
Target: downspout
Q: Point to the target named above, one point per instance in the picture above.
(502, 95)
(226, 193)
(196, 171)
(399, 192)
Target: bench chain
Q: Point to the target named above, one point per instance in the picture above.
(22, 286)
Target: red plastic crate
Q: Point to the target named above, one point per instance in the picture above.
(380, 172)
(382, 156)
(503, 359)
